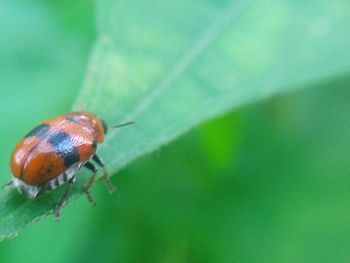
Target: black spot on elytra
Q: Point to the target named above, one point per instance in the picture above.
(38, 131)
(64, 147)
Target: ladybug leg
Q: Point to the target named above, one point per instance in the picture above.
(60, 201)
(109, 184)
(8, 185)
(88, 184)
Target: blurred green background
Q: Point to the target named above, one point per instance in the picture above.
(267, 183)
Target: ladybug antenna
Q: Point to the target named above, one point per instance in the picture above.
(122, 125)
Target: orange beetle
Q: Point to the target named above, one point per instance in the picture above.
(51, 154)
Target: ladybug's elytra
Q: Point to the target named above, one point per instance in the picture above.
(51, 154)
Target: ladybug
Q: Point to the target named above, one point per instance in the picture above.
(51, 154)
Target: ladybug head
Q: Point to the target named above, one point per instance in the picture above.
(98, 126)
(91, 122)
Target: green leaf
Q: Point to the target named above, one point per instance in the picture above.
(170, 66)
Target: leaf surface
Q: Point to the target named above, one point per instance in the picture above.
(170, 66)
